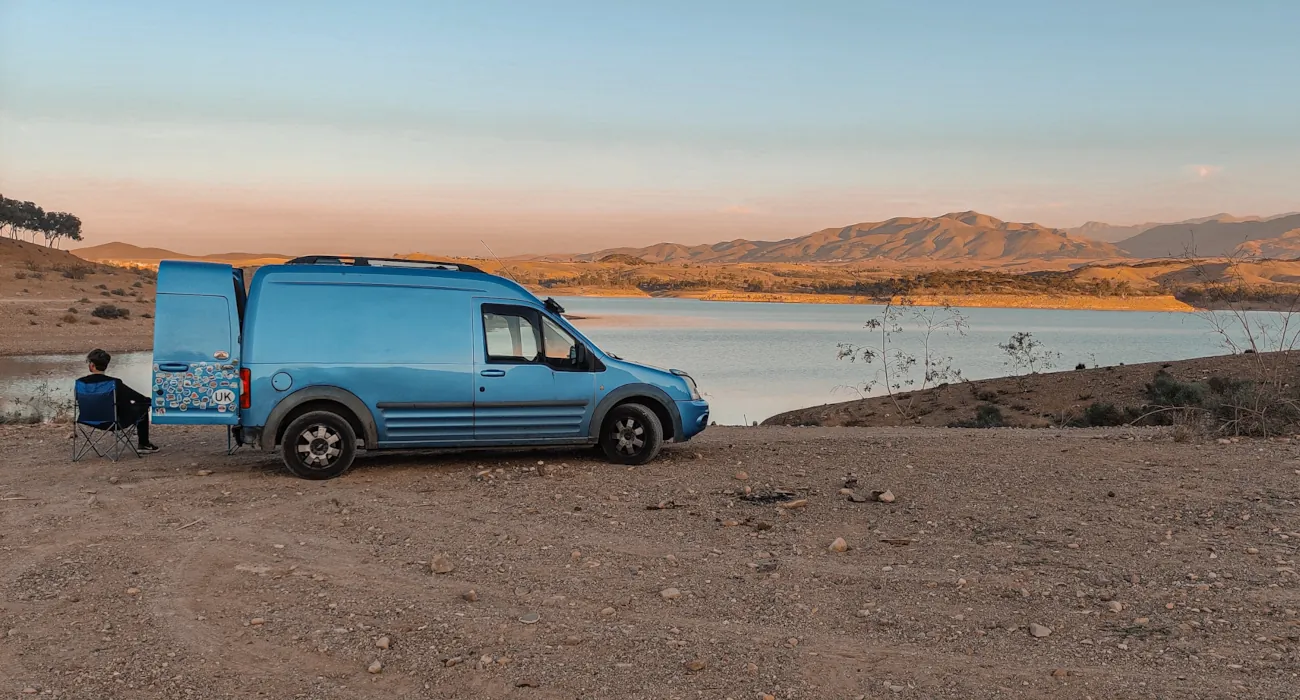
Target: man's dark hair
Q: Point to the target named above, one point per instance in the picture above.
(99, 359)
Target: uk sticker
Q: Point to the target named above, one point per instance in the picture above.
(223, 397)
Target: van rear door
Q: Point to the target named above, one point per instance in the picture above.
(196, 335)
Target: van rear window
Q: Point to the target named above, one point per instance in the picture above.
(191, 327)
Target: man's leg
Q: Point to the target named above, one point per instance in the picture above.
(142, 430)
(140, 416)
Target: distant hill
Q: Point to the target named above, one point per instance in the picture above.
(126, 253)
(23, 255)
(1109, 233)
(624, 259)
(969, 237)
(1113, 233)
(1218, 236)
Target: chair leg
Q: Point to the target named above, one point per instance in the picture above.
(115, 449)
(124, 440)
(109, 444)
(91, 438)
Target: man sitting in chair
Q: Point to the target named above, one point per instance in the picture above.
(132, 406)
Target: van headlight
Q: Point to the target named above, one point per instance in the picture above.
(690, 384)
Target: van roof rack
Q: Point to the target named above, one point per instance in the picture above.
(363, 261)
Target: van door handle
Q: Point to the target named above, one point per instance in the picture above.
(492, 373)
(173, 367)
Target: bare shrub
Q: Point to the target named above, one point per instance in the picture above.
(1264, 400)
(896, 364)
(74, 272)
(109, 311)
(1024, 353)
(46, 404)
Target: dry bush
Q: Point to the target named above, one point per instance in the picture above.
(1263, 400)
(108, 311)
(1186, 426)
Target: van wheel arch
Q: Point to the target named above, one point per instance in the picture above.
(651, 397)
(318, 398)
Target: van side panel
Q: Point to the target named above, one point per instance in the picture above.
(404, 350)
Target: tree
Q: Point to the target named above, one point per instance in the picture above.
(18, 217)
(60, 224)
(8, 215)
(24, 219)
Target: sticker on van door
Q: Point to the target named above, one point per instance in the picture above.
(202, 386)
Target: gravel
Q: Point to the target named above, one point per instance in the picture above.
(937, 597)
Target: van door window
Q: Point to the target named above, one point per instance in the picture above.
(561, 348)
(512, 335)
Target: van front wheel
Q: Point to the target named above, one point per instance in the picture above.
(319, 445)
(632, 434)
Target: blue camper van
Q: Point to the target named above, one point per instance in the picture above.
(327, 355)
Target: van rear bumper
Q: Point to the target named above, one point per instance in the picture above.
(695, 418)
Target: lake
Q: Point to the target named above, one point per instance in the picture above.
(753, 360)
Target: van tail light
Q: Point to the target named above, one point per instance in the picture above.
(245, 397)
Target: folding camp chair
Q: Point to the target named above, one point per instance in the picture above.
(96, 425)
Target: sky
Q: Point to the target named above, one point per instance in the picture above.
(565, 126)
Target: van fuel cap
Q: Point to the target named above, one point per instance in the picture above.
(281, 381)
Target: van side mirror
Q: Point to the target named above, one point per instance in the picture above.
(579, 356)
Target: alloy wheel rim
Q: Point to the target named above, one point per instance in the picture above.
(319, 446)
(628, 436)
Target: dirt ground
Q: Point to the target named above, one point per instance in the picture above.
(45, 311)
(1032, 401)
(1155, 570)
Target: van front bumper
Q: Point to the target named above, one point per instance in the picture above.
(695, 418)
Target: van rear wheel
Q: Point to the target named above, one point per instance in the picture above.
(632, 434)
(319, 445)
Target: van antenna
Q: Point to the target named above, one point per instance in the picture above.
(499, 261)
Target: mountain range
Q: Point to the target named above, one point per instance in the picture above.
(1273, 237)
(1113, 233)
(959, 237)
(978, 240)
(957, 240)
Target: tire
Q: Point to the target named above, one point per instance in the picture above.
(632, 434)
(319, 445)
